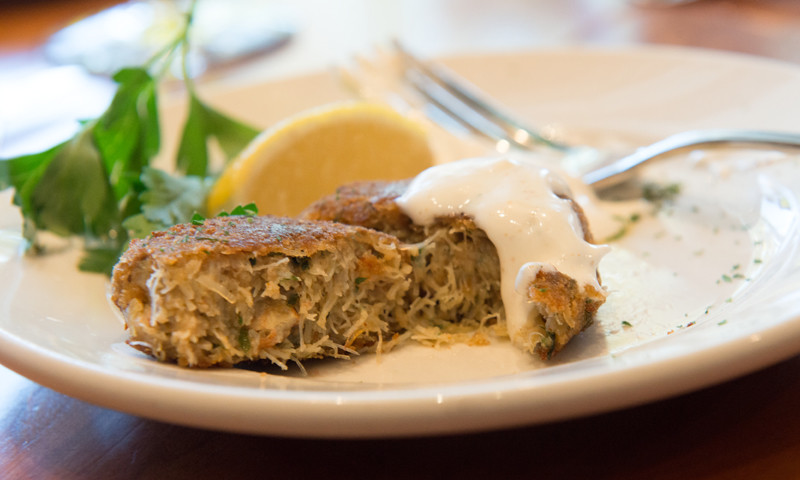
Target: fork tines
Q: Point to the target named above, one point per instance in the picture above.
(463, 103)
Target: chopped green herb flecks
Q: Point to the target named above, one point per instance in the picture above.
(211, 239)
(625, 225)
(734, 274)
(244, 339)
(359, 281)
(548, 342)
(658, 193)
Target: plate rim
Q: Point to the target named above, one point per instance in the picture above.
(333, 408)
(408, 403)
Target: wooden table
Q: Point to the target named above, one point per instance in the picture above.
(746, 428)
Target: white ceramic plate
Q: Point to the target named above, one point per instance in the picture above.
(709, 284)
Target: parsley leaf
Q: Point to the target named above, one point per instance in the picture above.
(198, 219)
(99, 259)
(249, 210)
(127, 134)
(72, 196)
(23, 172)
(166, 201)
(202, 125)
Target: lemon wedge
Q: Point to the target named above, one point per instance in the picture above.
(310, 154)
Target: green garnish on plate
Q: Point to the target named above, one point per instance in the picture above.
(99, 185)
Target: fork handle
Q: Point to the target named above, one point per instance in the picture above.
(619, 170)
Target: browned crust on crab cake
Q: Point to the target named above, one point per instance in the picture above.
(372, 204)
(456, 247)
(368, 204)
(565, 309)
(242, 288)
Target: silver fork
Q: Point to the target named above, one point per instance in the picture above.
(447, 95)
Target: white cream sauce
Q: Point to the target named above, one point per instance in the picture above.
(516, 202)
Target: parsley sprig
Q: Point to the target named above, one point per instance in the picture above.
(99, 185)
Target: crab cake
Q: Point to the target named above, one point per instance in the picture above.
(457, 272)
(241, 288)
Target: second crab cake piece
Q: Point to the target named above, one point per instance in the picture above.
(495, 237)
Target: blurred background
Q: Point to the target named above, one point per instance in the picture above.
(53, 54)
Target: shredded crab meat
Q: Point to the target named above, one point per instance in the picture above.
(214, 318)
